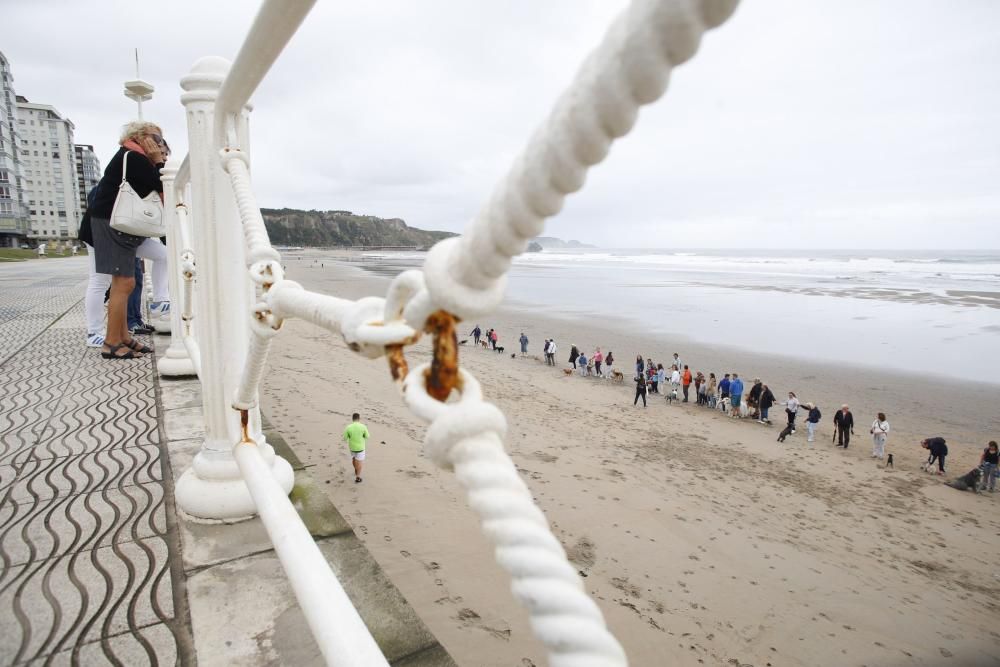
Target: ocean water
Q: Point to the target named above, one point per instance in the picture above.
(917, 311)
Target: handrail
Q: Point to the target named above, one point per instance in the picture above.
(183, 176)
(460, 277)
(335, 624)
(276, 23)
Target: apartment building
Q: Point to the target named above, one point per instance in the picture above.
(88, 172)
(49, 161)
(14, 216)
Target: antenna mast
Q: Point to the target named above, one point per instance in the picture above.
(138, 90)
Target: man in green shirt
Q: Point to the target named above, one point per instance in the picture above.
(356, 434)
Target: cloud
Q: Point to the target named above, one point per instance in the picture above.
(796, 123)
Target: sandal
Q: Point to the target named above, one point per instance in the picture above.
(113, 349)
(136, 346)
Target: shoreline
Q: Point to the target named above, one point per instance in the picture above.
(699, 536)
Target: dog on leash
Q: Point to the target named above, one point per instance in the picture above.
(968, 482)
(499, 349)
(617, 377)
(723, 405)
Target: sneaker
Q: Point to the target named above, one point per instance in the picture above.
(95, 340)
(141, 329)
(159, 308)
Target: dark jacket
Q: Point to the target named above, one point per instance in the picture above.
(85, 234)
(143, 176)
(766, 399)
(755, 392)
(937, 446)
(844, 420)
(814, 415)
(573, 354)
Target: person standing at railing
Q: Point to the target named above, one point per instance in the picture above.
(356, 434)
(115, 252)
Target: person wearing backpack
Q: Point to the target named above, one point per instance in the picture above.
(811, 421)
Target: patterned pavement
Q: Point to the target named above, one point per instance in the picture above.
(90, 570)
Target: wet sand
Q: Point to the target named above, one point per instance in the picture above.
(702, 539)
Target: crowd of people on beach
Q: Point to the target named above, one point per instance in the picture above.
(676, 382)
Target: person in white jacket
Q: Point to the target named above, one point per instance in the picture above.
(880, 433)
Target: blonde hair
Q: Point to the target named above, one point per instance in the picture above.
(139, 131)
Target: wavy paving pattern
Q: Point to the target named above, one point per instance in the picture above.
(85, 537)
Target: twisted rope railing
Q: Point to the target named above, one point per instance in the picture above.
(465, 277)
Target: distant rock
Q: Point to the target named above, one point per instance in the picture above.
(534, 247)
(553, 242)
(293, 227)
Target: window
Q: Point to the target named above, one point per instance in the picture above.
(4, 192)
(6, 207)
(62, 214)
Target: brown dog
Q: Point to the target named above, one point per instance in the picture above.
(568, 371)
(617, 377)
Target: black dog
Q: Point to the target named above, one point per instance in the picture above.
(968, 482)
(512, 355)
(463, 342)
(888, 462)
(499, 349)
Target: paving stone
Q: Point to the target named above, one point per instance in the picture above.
(180, 393)
(184, 423)
(84, 596)
(84, 542)
(112, 467)
(37, 531)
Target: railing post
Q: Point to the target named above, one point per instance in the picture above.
(213, 487)
(175, 361)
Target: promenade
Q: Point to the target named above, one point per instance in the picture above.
(89, 567)
(96, 565)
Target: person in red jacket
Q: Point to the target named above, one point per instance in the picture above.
(686, 381)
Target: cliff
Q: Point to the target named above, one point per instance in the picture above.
(292, 227)
(553, 242)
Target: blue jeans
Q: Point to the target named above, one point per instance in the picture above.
(989, 476)
(763, 414)
(135, 298)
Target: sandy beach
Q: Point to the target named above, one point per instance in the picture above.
(702, 539)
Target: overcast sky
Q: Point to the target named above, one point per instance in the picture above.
(835, 124)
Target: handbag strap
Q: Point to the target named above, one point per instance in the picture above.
(125, 165)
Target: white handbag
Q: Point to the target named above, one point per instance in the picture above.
(135, 215)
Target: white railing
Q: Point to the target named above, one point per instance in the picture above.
(463, 277)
